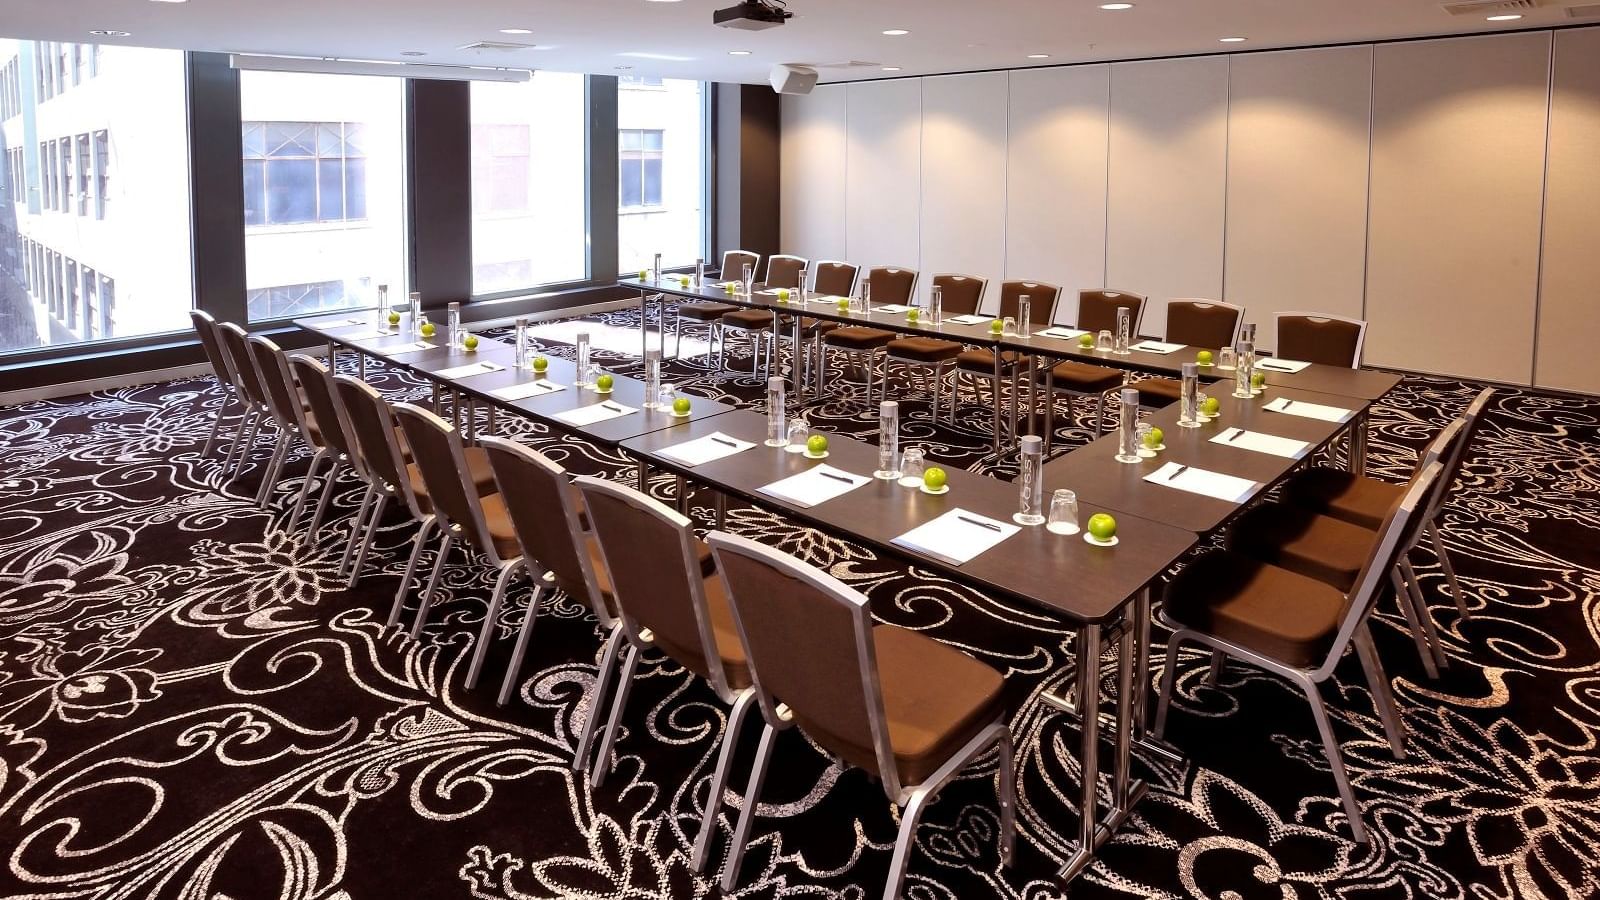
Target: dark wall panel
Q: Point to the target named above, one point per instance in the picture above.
(439, 130)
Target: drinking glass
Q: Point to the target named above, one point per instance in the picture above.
(1102, 341)
(1063, 512)
(667, 396)
(1008, 326)
(583, 358)
(652, 378)
(777, 428)
(798, 433)
(1030, 481)
(1143, 431)
(1226, 358)
(749, 278)
(888, 441)
(1188, 397)
(913, 462)
(1200, 398)
(1128, 428)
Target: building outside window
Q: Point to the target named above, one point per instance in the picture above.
(661, 165)
(324, 185)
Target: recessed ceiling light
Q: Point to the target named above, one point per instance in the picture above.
(412, 53)
(1231, 40)
(623, 68)
(896, 32)
(1116, 6)
(1507, 17)
(1038, 56)
(738, 52)
(107, 32)
(891, 68)
(516, 31)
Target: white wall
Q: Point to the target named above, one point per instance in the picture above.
(1407, 183)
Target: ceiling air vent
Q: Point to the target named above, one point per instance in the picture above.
(497, 46)
(1592, 11)
(850, 64)
(1489, 7)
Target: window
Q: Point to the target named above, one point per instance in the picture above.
(324, 191)
(639, 181)
(83, 174)
(299, 172)
(102, 173)
(91, 303)
(63, 152)
(529, 219)
(661, 164)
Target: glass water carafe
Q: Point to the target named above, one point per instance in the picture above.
(1189, 397)
(888, 441)
(1128, 427)
(777, 428)
(583, 359)
(1030, 481)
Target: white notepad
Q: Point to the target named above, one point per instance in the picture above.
(1309, 410)
(1157, 347)
(893, 308)
(399, 349)
(469, 370)
(815, 485)
(1288, 448)
(1203, 482)
(527, 389)
(970, 319)
(957, 536)
(1273, 364)
(1058, 331)
(706, 449)
(598, 412)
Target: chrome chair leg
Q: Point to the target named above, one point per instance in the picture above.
(1403, 598)
(910, 816)
(366, 544)
(357, 528)
(234, 467)
(752, 795)
(602, 762)
(1330, 748)
(1424, 613)
(1217, 663)
(326, 499)
(1168, 678)
(433, 583)
(1437, 540)
(1382, 696)
(1008, 799)
(305, 487)
(719, 779)
(269, 477)
(524, 636)
(597, 697)
(417, 545)
(496, 600)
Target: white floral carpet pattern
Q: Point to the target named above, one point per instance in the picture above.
(193, 707)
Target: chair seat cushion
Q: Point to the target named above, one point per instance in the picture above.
(750, 319)
(857, 337)
(477, 464)
(1157, 391)
(1344, 495)
(1083, 377)
(1264, 608)
(925, 349)
(735, 664)
(501, 532)
(705, 312)
(982, 361)
(1295, 538)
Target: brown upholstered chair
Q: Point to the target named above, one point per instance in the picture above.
(336, 444)
(708, 313)
(1097, 312)
(782, 271)
(389, 474)
(785, 270)
(909, 710)
(980, 364)
(1320, 338)
(959, 295)
(1294, 626)
(1201, 324)
(205, 326)
(236, 347)
(666, 601)
(883, 286)
(547, 516)
(481, 523)
(285, 406)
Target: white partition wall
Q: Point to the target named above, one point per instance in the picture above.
(1297, 181)
(883, 173)
(963, 176)
(1168, 166)
(1446, 190)
(1056, 179)
(812, 189)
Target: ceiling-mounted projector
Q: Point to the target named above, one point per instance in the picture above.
(752, 15)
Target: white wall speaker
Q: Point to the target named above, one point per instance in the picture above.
(793, 79)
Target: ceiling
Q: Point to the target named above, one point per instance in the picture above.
(597, 36)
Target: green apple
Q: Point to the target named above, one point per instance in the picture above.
(428, 329)
(681, 406)
(911, 315)
(1257, 379)
(1086, 341)
(394, 318)
(644, 274)
(783, 294)
(934, 478)
(1102, 527)
(1203, 357)
(470, 342)
(727, 288)
(1153, 438)
(603, 383)
(996, 326)
(844, 304)
(817, 445)
(540, 364)
(1211, 406)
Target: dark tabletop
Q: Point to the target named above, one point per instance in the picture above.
(1094, 473)
(1061, 573)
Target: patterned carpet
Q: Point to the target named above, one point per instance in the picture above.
(192, 706)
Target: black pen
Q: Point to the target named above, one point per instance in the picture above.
(1273, 367)
(981, 524)
(613, 408)
(724, 442)
(837, 477)
(1236, 433)
(1181, 470)
(543, 386)
(1287, 404)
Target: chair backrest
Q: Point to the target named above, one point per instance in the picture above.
(272, 367)
(891, 285)
(784, 271)
(734, 261)
(1397, 533)
(960, 295)
(441, 459)
(1042, 300)
(1320, 338)
(1204, 323)
(205, 325)
(1456, 451)
(235, 343)
(1097, 310)
(649, 552)
(544, 509)
(373, 426)
(809, 640)
(835, 278)
(316, 383)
